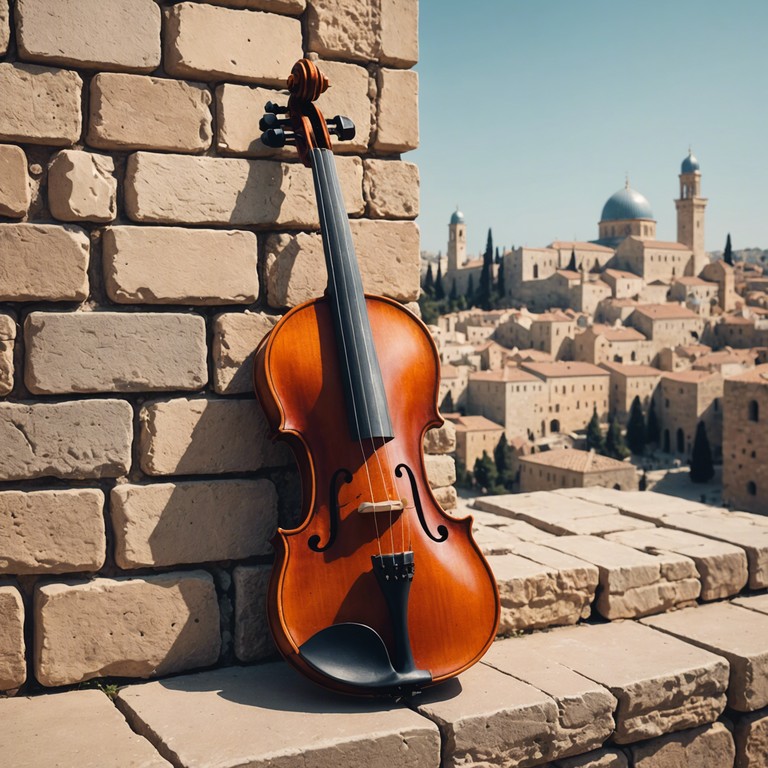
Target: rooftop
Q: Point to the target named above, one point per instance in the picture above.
(629, 370)
(617, 333)
(666, 312)
(508, 373)
(562, 369)
(574, 460)
(475, 424)
(757, 375)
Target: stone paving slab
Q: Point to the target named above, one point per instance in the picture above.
(487, 718)
(722, 567)
(754, 603)
(740, 635)
(662, 684)
(646, 505)
(634, 583)
(268, 715)
(76, 728)
(585, 708)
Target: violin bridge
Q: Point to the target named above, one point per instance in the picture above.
(371, 507)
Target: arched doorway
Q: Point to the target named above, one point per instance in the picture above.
(680, 437)
(554, 425)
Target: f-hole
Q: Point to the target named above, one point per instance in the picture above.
(442, 531)
(333, 508)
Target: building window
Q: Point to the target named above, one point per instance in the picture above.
(751, 488)
(753, 410)
(680, 440)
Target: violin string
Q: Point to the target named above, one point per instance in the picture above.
(320, 168)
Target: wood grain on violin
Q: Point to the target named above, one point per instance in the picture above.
(378, 590)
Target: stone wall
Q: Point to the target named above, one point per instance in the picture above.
(148, 241)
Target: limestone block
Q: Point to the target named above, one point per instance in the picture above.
(170, 189)
(192, 522)
(739, 635)
(539, 588)
(126, 627)
(253, 640)
(440, 439)
(397, 117)
(118, 35)
(751, 737)
(52, 531)
(5, 30)
(14, 182)
(585, 708)
(603, 758)
(13, 665)
(7, 343)
(754, 603)
(399, 33)
(446, 498)
(391, 189)
(82, 186)
(722, 567)
(634, 583)
(496, 720)
(208, 43)
(56, 119)
(174, 265)
(206, 436)
(138, 112)
(698, 748)
(288, 7)
(235, 338)
(267, 716)
(114, 352)
(441, 470)
(646, 505)
(386, 252)
(43, 262)
(661, 683)
(81, 439)
(82, 728)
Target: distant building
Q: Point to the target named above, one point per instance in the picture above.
(475, 435)
(571, 468)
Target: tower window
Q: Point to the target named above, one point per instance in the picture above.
(753, 410)
(751, 488)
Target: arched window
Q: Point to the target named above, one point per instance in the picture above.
(753, 410)
(751, 488)
(554, 426)
(535, 271)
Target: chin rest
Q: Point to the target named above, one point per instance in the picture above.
(355, 655)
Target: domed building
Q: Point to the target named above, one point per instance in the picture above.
(626, 213)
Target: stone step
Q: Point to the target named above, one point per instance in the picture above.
(708, 747)
(645, 505)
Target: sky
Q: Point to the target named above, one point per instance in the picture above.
(533, 112)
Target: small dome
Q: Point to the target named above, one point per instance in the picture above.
(627, 203)
(690, 164)
(457, 217)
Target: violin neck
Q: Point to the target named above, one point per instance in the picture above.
(363, 383)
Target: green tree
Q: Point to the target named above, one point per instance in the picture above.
(485, 471)
(702, 469)
(439, 289)
(652, 428)
(429, 281)
(728, 253)
(504, 457)
(595, 438)
(470, 294)
(485, 289)
(615, 447)
(447, 405)
(572, 263)
(636, 427)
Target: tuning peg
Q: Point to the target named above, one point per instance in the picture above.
(275, 109)
(342, 127)
(270, 120)
(277, 137)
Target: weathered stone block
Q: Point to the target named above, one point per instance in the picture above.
(205, 436)
(268, 716)
(399, 33)
(120, 34)
(207, 43)
(603, 758)
(397, 119)
(661, 683)
(43, 262)
(82, 186)
(14, 181)
(127, 627)
(137, 112)
(289, 7)
(446, 497)
(114, 352)
(56, 120)
(13, 665)
(385, 251)
(253, 640)
(751, 737)
(441, 470)
(647, 505)
(235, 338)
(81, 728)
(440, 439)
(52, 531)
(174, 265)
(169, 189)
(83, 439)
(704, 747)
(740, 635)
(192, 522)
(7, 343)
(391, 189)
(5, 28)
(585, 708)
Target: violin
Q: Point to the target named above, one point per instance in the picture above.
(378, 591)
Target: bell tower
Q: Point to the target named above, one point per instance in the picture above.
(457, 240)
(690, 212)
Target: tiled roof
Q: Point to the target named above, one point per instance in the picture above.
(475, 424)
(629, 369)
(618, 333)
(575, 460)
(508, 373)
(665, 245)
(687, 377)
(666, 311)
(562, 369)
(619, 273)
(758, 375)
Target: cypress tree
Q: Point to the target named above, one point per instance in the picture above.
(486, 275)
(504, 456)
(497, 258)
(702, 469)
(471, 291)
(636, 427)
(572, 263)
(453, 296)
(594, 433)
(439, 290)
(429, 281)
(485, 472)
(447, 405)
(615, 447)
(652, 428)
(728, 253)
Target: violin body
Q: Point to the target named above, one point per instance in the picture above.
(453, 612)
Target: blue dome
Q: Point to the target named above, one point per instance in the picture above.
(690, 164)
(627, 203)
(457, 217)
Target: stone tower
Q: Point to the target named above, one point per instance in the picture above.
(690, 212)
(457, 240)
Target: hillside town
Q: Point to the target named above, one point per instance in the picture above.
(655, 343)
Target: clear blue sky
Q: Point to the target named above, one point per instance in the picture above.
(533, 111)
